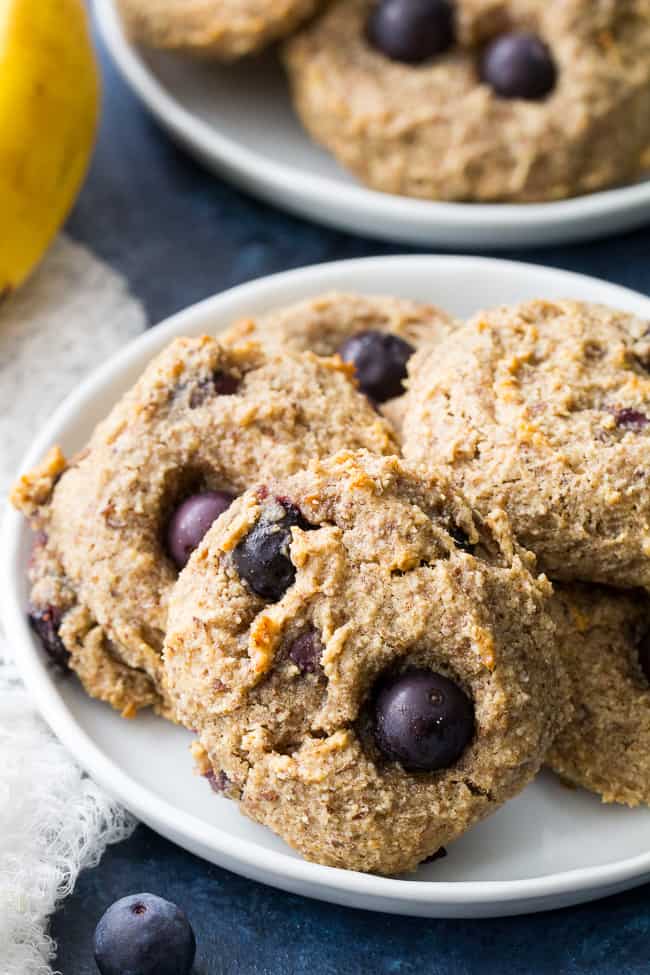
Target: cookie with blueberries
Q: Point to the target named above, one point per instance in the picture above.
(226, 31)
(376, 334)
(116, 523)
(478, 100)
(369, 667)
(543, 409)
(604, 637)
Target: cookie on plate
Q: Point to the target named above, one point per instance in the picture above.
(482, 100)
(369, 667)
(377, 334)
(604, 638)
(117, 522)
(223, 29)
(544, 409)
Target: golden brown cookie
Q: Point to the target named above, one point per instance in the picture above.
(118, 520)
(544, 409)
(369, 666)
(436, 130)
(223, 29)
(604, 638)
(378, 334)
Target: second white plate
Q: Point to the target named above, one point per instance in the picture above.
(239, 122)
(549, 847)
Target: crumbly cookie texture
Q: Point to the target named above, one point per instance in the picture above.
(434, 131)
(225, 30)
(202, 417)
(544, 409)
(391, 573)
(603, 637)
(322, 324)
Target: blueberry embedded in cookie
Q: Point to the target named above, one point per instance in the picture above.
(392, 691)
(541, 409)
(519, 65)
(603, 636)
(460, 101)
(411, 30)
(121, 518)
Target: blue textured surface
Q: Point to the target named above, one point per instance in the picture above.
(180, 235)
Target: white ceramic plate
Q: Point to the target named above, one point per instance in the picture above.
(549, 847)
(239, 122)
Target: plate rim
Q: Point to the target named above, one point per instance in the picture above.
(253, 171)
(278, 868)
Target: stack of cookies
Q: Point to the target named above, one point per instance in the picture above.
(477, 100)
(383, 564)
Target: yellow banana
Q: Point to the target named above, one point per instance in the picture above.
(49, 105)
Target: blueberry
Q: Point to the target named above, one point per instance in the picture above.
(46, 624)
(262, 557)
(191, 520)
(629, 419)
(411, 30)
(519, 65)
(305, 651)
(644, 656)
(379, 359)
(144, 935)
(423, 720)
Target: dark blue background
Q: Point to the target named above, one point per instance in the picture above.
(179, 235)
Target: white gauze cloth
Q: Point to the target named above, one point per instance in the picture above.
(54, 820)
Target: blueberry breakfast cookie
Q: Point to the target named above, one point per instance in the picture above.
(604, 637)
(369, 667)
(223, 29)
(544, 409)
(118, 521)
(376, 334)
(479, 99)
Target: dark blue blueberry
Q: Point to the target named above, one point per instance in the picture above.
(519, 65)
(644, 656)
(412, 30)
(262, 557)
(629, 419)
(144, 935)
(191, 520)
(379, 359)
(46, 624)
(305, 651)
(423, 720)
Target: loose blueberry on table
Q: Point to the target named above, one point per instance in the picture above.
(423, 720)
(411, 30)
(519, 65)
(144, 935)
(262, 557)
(380, 360)
(191, 520)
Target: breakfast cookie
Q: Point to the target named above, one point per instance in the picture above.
(223, 29)
(479, 99)
(118, 521)
(369, 666)
(544, 409)
(604, 637)
(375, 333)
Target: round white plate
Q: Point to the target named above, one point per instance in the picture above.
(239, 122)
(549, 847)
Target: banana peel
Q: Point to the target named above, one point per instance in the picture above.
(49, 109)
